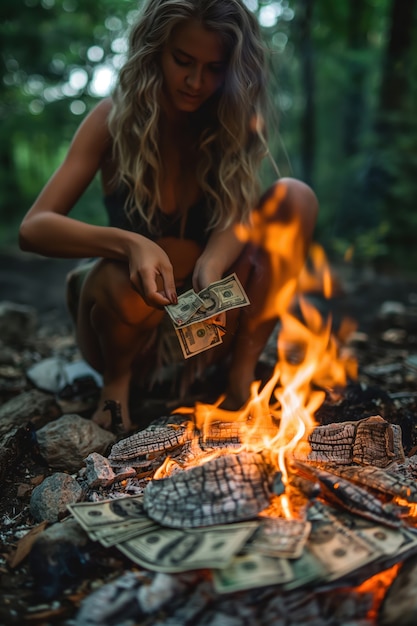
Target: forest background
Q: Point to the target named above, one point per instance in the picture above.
(343, 87)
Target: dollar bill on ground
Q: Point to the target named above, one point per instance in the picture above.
(387, 540)
(112, 534)
(341, 550)
(248, 571)
(278, 537)
(221, 296)
(93, 515)
(305, 570)
(198, 337)
(174, 550)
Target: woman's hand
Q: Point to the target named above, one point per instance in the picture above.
(151, 272)
(206, 272)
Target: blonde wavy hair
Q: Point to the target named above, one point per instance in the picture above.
(230, 136)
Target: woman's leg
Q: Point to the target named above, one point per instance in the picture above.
(113, 327)
(282, 232)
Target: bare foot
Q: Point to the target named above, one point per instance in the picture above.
(117, 391)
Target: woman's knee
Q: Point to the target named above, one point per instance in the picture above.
(108, 286)
(290, 200)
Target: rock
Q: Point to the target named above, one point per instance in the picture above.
(114, 603)
(66, 442)
(49, 499)
(59, 557)
(34, 406)
(99, 472)
(17, 322)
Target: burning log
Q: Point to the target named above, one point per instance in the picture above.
(228, 488)
(379, 480)
(352, 497)
(146, 446)
(371, 441)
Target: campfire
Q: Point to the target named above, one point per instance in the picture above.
(296, 504)
(315, 505)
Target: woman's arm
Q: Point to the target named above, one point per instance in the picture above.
(221, 251)
(47, 229)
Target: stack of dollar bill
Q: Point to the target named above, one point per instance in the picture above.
(290, 553)
(194, 317)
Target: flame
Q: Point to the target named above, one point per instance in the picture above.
(279, 415)
(378, 585)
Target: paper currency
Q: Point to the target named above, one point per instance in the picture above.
(280, 537)
(386, 540)
(173, 550)
(112, 534)
(223, 295)
(305, 570)
(197, 338)
(188, 303)
(248, 571)
(193, 317)
(339, 549)
(92, 515)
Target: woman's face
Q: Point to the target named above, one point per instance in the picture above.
(193, 66)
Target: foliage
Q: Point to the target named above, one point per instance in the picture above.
(329, 122)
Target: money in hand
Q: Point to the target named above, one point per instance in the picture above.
(223, 295)
(193, 315)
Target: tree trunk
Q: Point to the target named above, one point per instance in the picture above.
(308, 139)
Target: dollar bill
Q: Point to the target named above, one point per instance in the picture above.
(305, 570)
(188, 303)
(341, 550)
(92, 515)
(278, 537)
(387, 540)
(223, 295)
(248, 571)
(198, 337)
(175, 550)
(112, 534)
(194, 315)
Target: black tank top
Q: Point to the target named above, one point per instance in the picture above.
(195, 227)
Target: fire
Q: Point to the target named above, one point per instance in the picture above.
(279, 415)
(378, 586)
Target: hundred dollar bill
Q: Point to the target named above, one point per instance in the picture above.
(223, 295)
(198, 337)
(174, 550)
(278, 537)
(92, 515)
(248, 571)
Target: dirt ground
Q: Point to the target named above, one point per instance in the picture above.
(31, 280)
(34, 280)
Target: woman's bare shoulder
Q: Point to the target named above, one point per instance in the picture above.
(100, 113)
(94, 130)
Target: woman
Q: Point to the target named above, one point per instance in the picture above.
(178, 148)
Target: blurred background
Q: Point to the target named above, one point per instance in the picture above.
(343, 87)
